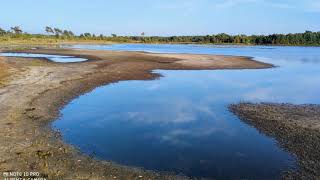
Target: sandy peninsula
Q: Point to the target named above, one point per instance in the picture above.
(33, 90)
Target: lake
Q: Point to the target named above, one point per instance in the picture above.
(181, 122)
(54, 58)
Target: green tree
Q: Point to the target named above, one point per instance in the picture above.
(71, 33)
(49, 30)
(58, 31)
(87, 35)
(16, 29)
(2, 32)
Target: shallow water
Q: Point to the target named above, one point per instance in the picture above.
(54, 58)
(181, 122)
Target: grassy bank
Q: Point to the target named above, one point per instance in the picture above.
(48, 41)
(58, 36)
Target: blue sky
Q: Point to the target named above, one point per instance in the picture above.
(164, 17)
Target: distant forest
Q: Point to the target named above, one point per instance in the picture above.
(307, 38)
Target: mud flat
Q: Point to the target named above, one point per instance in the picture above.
(295, 127)
(33, 90)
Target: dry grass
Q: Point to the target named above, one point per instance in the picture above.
(39, 41)
(4, 71)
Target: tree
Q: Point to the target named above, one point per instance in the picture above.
(65, 33)
(2, 31)
(57, 31)
(87, 34)
(49, 30)
(16, 29)
(306, 38)
(71, 33)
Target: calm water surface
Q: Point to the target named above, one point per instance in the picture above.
(54, 58)
(181, 122)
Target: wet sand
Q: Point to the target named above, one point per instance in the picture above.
(33, 90)
(295, 127)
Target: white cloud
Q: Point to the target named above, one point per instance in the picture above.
(177, 136)
(154, 86)
(177, 111)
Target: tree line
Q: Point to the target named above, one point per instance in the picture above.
(306, 38)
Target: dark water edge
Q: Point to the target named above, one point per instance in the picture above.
(296, 128)
(54, 58)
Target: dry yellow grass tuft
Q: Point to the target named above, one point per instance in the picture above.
(4, 70)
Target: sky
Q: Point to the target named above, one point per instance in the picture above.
(163, 17)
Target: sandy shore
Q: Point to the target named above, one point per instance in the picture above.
(33, 91)
(296, 128)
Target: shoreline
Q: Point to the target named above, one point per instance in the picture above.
(102, 42)
(55, 42)
(36, 90)
(295, 127)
